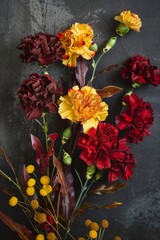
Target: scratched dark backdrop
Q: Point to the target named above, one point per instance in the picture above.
(139, 216)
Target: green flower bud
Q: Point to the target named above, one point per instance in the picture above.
(67, 159)
(136, 85)
(110, 43)
(93, 47)
(98, 176)
(122, 29)
(66, 135)
(90, 171)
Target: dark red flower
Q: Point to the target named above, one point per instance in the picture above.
(41, 47)
(38, 94)
(103, 148)
(136, 118)
(140, 71)
(49, 224)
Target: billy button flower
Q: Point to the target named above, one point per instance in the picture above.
(94, 226)
(104, 223)
(44, 180)
(34, 203)
(45, 190)
(13, 201)
(40, 237)
(51, 236)
(30, 169)
(87, 222)
(93, 234)
(30, 191)
(40, 217)
(31, 182)
(117, 238)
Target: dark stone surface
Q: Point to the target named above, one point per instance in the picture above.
(139, 216)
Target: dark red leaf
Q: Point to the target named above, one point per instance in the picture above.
(23, 232)
(81, 71)
(108, 91)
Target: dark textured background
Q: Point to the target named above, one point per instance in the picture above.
(139, 216)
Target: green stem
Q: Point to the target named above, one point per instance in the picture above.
(79, 201)
(45, 130)
(95, 65)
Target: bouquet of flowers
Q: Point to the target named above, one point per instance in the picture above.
(83, 139)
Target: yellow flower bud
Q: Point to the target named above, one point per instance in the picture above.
(31, 182)
(40, 217)
(30, 191)
(40, 237)
(81, 238)
(35, 204)
(44, 180)
(51, 236)
(30, 169)
(93, 234)
(13, 201)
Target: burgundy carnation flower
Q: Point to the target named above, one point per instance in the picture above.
(136, 118)
(140, 71)
(38, 94)
(103, 148)
(43, 48)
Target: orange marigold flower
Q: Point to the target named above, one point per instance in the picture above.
(83, 105)
(131, 20)
(76, 42)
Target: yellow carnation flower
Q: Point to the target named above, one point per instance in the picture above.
(83, 105)
(131, 20)
(76, 42)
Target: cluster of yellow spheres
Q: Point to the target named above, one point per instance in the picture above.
(96, 231)
(50, 236)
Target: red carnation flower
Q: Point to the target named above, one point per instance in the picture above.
(140, 71)
(38, 94)
(136, 118)
(103, 148)
(43, 48)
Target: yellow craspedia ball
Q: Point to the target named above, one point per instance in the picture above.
(40, 237)
(105, 223)
(13, 201)
(117, 238)
(87, 222)
(94, 226)
(35, 204)
(40, 217)
(44, 180)
(47, 188)
(30, 191)
(31, 182)
(43, 192)
(51, 236)
(30, 168)
(93, 234)
(81, 238)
